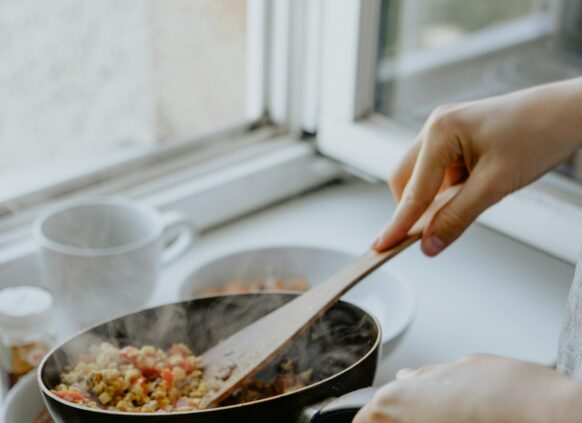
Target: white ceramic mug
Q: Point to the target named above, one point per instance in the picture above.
(101, 257)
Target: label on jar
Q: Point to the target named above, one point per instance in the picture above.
(20, 359)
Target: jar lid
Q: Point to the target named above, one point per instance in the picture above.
(24, 306)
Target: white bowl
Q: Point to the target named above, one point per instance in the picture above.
(388, 297)
(24, 402)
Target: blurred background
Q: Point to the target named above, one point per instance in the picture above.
(79, 77)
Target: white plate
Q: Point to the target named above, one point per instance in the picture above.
(24, 402)
(388, 297)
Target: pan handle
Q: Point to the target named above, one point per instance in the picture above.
(344, 408)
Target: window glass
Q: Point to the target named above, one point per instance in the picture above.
(81, 76)
(441, 51)
(439, 23)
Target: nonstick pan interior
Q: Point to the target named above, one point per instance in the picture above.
(340, 339)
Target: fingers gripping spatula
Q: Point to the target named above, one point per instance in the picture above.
(241, 356)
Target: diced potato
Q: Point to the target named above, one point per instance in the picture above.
(104, 398)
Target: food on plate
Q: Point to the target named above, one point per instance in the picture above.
(270, 284)
(43, 417)
(149, 380)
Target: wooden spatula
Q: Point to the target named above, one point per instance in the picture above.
(241, 356)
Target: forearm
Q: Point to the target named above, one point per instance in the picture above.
(541, 125)
(550, 113)
(528, 393)
(567, 403)
(555, 111)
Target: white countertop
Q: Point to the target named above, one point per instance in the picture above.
(487, 293)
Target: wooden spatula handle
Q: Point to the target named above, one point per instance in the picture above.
(245, 353)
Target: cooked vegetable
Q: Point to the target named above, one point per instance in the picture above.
(138, 380)
(149, 380)
(270, 284)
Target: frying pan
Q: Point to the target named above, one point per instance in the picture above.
(342, 347)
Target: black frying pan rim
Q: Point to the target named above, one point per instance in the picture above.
(48, 393)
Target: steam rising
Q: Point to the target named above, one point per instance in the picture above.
(333, 343)
(98, 287)
(102, 258)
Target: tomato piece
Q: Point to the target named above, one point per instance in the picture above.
(72, 396)
(150, 372)
(128, 354)
(168, 378)
(186, 365)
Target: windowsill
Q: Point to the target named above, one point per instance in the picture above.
(21, 189)
(212, 191)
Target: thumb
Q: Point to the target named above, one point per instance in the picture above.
(479, 192)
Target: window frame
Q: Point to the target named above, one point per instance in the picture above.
(351, 132)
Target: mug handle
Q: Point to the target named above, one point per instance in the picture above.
(186, 235)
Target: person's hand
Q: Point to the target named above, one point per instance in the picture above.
(476, 389)
(497, 145)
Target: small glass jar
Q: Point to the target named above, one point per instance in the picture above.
(25, 331)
